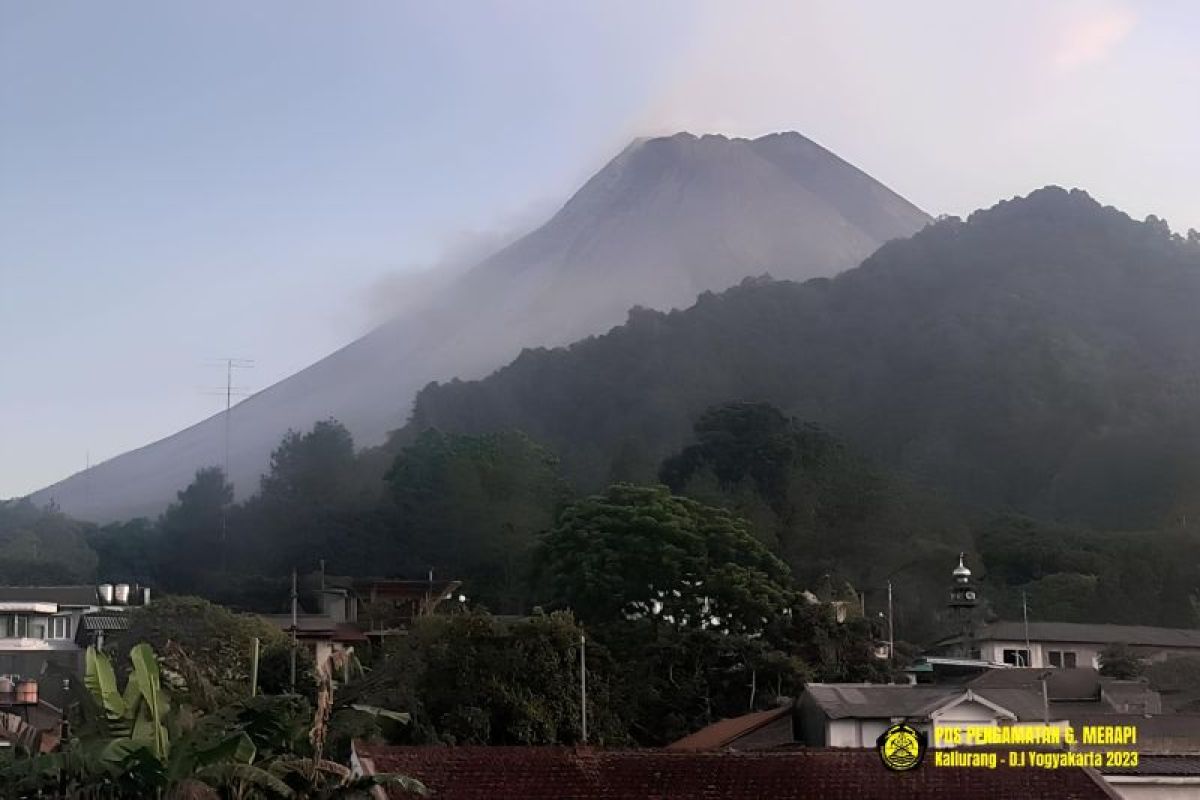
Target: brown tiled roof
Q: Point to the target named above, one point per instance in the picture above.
(721, 734)
(550, 773)
(1182, 765)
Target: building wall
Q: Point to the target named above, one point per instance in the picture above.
(1151, 788)
(1086, 655)
(858, 732)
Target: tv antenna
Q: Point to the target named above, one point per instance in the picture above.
(230, 391)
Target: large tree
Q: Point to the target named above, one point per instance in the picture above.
(828, 512)
(42, 545)
(195, 530)
(472, 507)
(641, 552)
(315, 503)
(474, 679)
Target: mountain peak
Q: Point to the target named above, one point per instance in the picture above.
(667, 219)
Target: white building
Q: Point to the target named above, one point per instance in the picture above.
(44, 630)
(1070, 644)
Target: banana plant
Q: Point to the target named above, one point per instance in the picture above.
(142, 720)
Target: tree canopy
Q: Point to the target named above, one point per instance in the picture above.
(641, 552)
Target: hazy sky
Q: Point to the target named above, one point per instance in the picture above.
(186, 181)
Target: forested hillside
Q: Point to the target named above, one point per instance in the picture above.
(1039, 357)
(1020, 386)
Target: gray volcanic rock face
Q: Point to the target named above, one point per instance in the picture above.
(665, 220)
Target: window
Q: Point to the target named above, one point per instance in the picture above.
(60, 628)
(1062, 658)
(16, 626)
(1018, 658)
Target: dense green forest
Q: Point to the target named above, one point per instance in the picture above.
(1040, 357)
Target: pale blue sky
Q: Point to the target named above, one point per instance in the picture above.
(189, 180)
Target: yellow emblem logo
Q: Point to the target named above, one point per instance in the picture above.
(901, 747)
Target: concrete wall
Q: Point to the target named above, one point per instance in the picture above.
(1147, 787)
(858, 732)
(1086, 655)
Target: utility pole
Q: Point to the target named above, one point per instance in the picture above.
(1025, 615)
(583, 684)
(891, 631)
(294, 626)
(254, 668)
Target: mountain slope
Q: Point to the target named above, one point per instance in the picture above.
(1040, 356)
(666, 219)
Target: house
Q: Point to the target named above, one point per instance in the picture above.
(44, 630)
(1080, 691)
(1046, 644)
(358, 611)
(1069, 644)
(760, 730)
(553, 773)
(320, 633)
(856, 714)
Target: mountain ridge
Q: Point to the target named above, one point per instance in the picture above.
(667, 218)
(1024, 358)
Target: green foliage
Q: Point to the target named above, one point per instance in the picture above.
(473, 506)
(1034, 357)
(145, 743)
(312, 504)
(475, 679)
(1078, 575)
(640, 552)
(193, 530)
(213, 642)
(1121, 661)
(42, 546)
(830, 514)
(127, 551)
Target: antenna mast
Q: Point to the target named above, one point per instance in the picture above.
(230, 392)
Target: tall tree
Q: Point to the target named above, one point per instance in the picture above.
(42, 545)
(194, 530)
(473, 506)
(315, 503)
(640, 552)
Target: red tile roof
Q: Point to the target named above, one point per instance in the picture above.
(722, 734)
(552, 773)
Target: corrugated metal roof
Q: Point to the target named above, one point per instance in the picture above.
(63, 595)
(104, 622)
(1077, 683)
(885, 701)
(878, 701)
(1085, 633)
